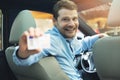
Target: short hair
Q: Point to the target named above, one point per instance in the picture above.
(68, 4)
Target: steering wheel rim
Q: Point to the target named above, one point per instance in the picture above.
(88, 57)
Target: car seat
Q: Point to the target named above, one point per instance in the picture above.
(106, 51)
(46, 69)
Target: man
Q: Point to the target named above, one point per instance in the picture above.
(64, 44)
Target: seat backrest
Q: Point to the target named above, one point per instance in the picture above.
(46, 69)
(107, 58)
(107, 50)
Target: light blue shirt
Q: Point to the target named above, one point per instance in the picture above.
(62, 51)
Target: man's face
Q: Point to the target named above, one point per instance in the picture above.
(67, 22)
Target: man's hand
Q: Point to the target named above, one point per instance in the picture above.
(23, 51)
(102, 35)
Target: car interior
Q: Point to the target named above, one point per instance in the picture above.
(48, 68)
(101, 62)
(9, 19)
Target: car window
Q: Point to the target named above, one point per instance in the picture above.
(43, 20)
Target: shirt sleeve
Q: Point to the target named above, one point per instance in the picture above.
(89, 41)
(28, 61)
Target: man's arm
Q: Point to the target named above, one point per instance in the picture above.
(90, 40)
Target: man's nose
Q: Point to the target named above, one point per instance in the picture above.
(71, 23)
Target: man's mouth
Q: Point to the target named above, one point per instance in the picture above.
(69, 29)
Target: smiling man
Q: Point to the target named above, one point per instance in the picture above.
(64, 44)
(67, 22)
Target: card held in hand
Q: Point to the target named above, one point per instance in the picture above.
(38, 42)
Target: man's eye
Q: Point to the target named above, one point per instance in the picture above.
(65, 19)
(75, 19)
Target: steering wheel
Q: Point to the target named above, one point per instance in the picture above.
(87, 62)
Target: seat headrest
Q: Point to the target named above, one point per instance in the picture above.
(22, 22)
(114, 14)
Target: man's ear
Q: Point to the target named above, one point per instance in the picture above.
(54, 21)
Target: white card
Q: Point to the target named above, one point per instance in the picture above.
(40, 42)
